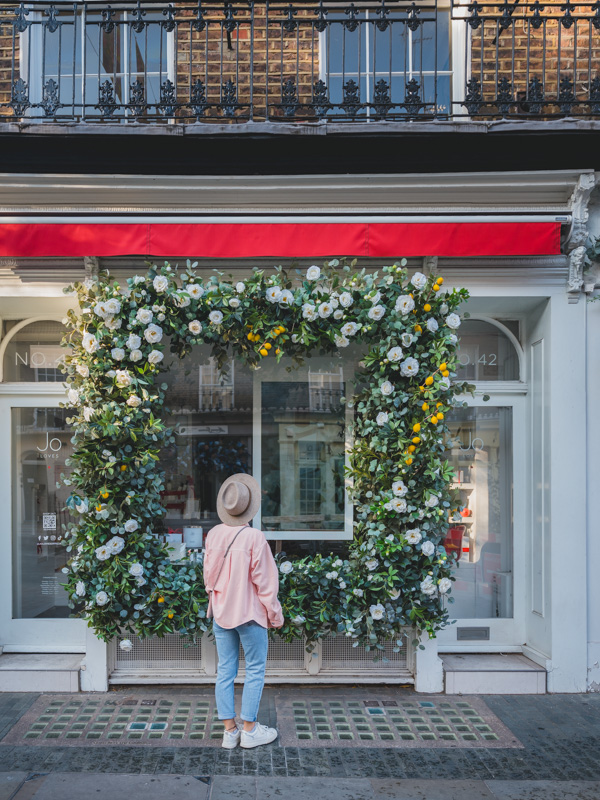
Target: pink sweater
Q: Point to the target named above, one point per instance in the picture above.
(247, 587)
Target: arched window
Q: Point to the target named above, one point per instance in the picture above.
(489, 351)
(32, 353)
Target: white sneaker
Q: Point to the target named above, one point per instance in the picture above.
(260, 735)
(231, 739)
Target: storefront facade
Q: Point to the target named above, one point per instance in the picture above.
(194, 153)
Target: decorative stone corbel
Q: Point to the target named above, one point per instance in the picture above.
(575, 245)
(92, 266)
(430, 265)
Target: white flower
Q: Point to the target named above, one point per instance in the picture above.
(133, 342)
(133, 401)
(90, 343)
(382, 418)
(153, 334)
(160, 283)
(444, 309)
(309, 312)
(194, 290)
(338, 313)
(427, 586)
(155, 357)
(216, 317)
(404, 304)
(338, 563)
(432, 501)
(428, 548)
(135, 355)
(144, 315)
(376, 313)
(181, 300)
(113, 306)
(413, 536)
(349, 329)
(103, 552)
(118, 353)
(131, 525)
(453, 338)
(399, 489)
(325, 310)
(141, 581)
(346, 299)
(313, 273)
(83, 370)
(160, 317)
(386, 388)
(125, 644)
(116, 544)
(409, 367)
(73, 397)
(101, 599)
(398, 504)
(101, 310)
(83, 507)
(444, 384)
(453, 321)
(273, 294)
(371, 564)
(286, 567)
(374, 299)
(286, 298)
(123, 378)
(234, 302)
(444, 585)
(377, 611)
(195, 327)
(294, 338)
(136, 570)
(357, 592)
(138, 279)
(418, 280)
(341, 341)
(88, 413)
(240, 286)
(432, 325)
(80, 589)
(395, 354)
(395, 594)
(298, 619)
(407, 339)
(113, 324)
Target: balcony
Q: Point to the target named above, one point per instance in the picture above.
(233, 62)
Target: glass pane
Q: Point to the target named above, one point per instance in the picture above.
(430, 39)
(41, 442)
(303, 445)
(35, 354)
(486, 353)
(211, 414)
(481, 532)
(346, 49)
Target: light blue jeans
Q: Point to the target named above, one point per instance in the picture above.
(255, 641)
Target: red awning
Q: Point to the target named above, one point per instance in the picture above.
(280, 240)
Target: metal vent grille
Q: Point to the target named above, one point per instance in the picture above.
(282, 655)
(338, 654)
(169, 652)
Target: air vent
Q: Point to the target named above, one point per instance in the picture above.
(473, 634)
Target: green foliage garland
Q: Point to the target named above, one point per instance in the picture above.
(397, 573)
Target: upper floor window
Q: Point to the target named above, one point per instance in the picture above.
(34, 353)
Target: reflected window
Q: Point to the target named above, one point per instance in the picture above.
(34, 353)
(480, 535)
(41, 442)
(486, 353)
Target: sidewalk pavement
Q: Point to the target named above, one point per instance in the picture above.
(541, 747)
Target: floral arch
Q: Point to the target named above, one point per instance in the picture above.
(397, 573)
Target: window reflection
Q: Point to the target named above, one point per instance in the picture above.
(486, 353)
(35, 354)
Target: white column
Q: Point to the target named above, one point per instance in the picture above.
(429, 671)
(95, 665)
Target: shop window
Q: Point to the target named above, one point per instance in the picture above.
(34, 353)
(285, 425)
(487, 352)
(41, 441)
(365, 52)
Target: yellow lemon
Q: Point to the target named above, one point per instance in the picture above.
(408, 461)
(416, 439)
(428, 380)
(251, 337)
(98, 508)
(434, 420)
(425, 406)
(268, 346)
(414, 311)
(443, 366)
(426, 307)
(104, 495)
(281, 329)
(439, 405)
(277, 351)
(417, 427)
(160, 600)
(445, 373)
(436, 287)
(421, 388)
(440, 281)
(123, 467)
(440, 416)
(411, 448)
(170, 615)
(418, 328)
(263, 352)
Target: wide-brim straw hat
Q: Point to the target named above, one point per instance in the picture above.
(238, 499)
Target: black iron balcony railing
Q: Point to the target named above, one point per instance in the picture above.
(153, 61)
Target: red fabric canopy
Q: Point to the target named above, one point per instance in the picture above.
(281, 240)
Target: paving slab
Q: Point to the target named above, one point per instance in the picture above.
(385, 789)
(311, 788)
(9, 782)
(545, 790)
(58, 786)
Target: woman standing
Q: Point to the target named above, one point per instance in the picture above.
(241, 578)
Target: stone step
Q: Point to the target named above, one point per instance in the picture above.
(40, 672)
(492, 673)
